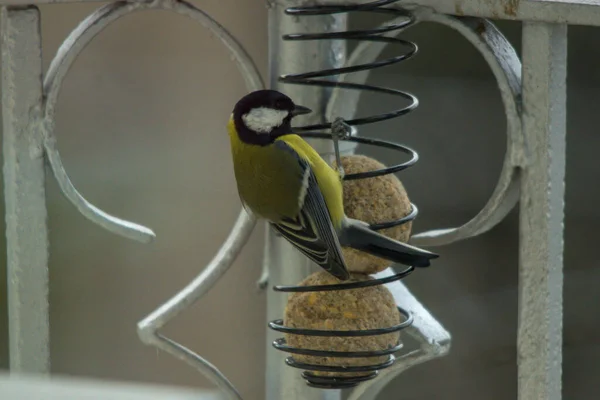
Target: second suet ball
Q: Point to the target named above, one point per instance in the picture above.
(365, 308)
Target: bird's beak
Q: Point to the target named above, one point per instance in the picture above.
(300, 110)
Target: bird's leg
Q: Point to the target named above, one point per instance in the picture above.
(339, 130)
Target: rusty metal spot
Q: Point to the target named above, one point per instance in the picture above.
(511, 6)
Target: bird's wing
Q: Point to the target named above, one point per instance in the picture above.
(312, 231)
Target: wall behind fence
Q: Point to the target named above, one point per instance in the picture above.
(141, 129)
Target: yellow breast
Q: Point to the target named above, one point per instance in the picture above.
(267, 184)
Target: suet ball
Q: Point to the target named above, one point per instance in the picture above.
(354, 309)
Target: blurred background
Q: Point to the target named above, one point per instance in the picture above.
(141, 128)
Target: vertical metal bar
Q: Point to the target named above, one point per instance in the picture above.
(24, 191)
(287, 265)
(542, 212)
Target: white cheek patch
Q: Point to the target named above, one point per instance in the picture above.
(264, 120)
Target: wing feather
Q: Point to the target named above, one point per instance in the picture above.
(312, 231)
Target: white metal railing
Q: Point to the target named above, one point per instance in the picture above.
(534, 97)
(33, 387)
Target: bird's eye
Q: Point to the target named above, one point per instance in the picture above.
(279, 104)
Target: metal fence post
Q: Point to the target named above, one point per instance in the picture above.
(24, 191)
(542, 212)
(287, 265)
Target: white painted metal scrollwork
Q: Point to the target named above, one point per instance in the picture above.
(506, 67)
(433, 340)
(67, 53)
(505, 64)
(29, 130)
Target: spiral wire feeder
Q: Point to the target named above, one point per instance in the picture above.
(308, 78)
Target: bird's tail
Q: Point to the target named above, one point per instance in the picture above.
(356, 234)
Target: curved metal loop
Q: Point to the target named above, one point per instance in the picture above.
(218, 266)
(506, 66)
(432, 340)
(62, 62)
(67, 53)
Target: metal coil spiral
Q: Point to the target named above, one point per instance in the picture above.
(309, 78)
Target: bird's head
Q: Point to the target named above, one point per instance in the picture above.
(262, 116)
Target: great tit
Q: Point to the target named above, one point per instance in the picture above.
(283, 180)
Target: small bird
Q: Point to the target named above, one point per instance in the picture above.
(283, 180)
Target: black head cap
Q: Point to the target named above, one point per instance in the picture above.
(263, 115)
